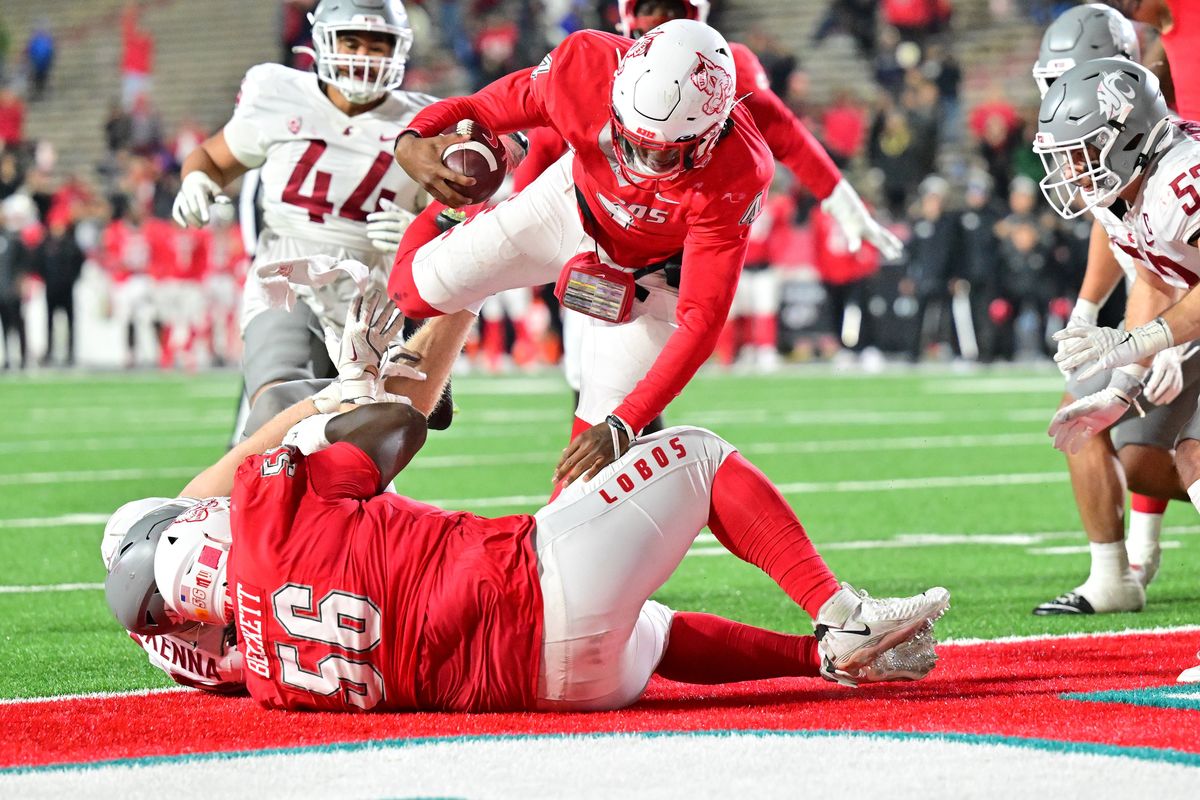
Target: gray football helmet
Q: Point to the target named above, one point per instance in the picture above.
(130, 589)
(1098, 127)
(1081, 34)
(361, 78)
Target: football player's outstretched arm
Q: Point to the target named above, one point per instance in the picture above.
(389, 433)
(437, 344)
(214, 158)
(206, 171)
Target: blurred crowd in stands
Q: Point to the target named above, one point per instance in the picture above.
(987, 272)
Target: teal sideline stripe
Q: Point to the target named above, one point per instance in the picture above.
(1174, 696)
(1052, 745)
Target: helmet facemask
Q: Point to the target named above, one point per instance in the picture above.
(1078, 178)
(650, 161)
(360, 78)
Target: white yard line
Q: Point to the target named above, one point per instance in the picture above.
(97, 475)
(51, 587)
(60, 521)
(16, 701)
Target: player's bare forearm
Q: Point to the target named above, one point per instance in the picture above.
(1103, 273)
(1150, 297)
(1183, 318)
(217, 480)
(389, 433)
(438, 343)
(214, 158)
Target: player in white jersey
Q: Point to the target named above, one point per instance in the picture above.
(1107, 139)
(1140, 449)
(323, 144)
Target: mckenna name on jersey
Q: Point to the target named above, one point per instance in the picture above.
(322, 171)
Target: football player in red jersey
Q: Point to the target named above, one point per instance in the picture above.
(1179, 23)
(644, 223)
(789, 140)
(346, 597)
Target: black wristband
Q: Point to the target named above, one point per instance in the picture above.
(402, 134)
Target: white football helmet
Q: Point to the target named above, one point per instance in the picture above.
(191, 561)
(361, 78)
(630, 25)
(671, 98)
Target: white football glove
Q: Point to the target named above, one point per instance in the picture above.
(1087, 416)
(1084, 314)
(386, 228)
(1165, 381)
(1096, 349)
(847, 208)
(367, 354)
(196, 194)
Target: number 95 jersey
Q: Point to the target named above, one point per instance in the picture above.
(322, 171)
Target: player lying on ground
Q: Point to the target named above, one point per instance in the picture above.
(1107, 140)
(345, 597)
(1140, 450)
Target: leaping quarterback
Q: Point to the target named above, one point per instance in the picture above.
(646, 219)
(291, 573)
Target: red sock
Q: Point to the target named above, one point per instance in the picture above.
(750, 517)
(763, 330)
(493, 342)
(166, 350)
(1148, 505)
(703, 648)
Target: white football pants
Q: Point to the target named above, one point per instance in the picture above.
(525, 241)
(604, 546)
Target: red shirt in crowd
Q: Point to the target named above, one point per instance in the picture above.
(137, 45)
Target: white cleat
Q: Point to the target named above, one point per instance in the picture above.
(907, 661)
(853, 628)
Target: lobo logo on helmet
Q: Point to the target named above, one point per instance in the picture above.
(714, 81)
(199, 512)
(1114, 95)
(639, 49)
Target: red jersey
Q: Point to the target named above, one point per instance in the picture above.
(705, 212)
(124, 251)
(164, 257)
(770, 230)
(346, 599)
(1182, 44)
(792, 144)
(789, 141)
(834, 261)
(191, 253)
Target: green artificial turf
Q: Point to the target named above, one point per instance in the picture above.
(851, 451)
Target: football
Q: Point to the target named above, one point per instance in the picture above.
(482, 158)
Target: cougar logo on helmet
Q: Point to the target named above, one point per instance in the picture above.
(713, 81)
(1114, 94)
